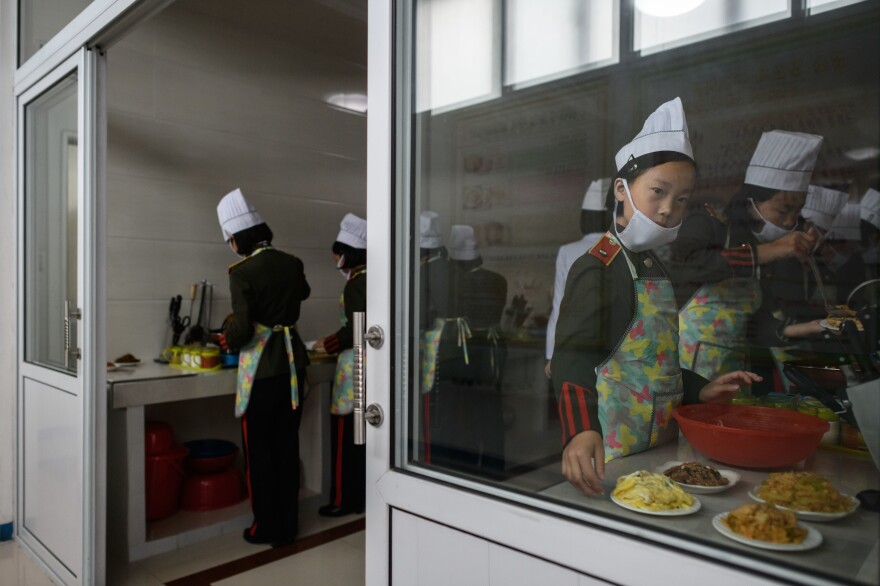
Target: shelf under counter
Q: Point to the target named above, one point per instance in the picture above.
(199, 405)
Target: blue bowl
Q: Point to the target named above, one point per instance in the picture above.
(210, 448)
(228, 359)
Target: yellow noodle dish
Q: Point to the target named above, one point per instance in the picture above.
(651, 492)
(803, 491)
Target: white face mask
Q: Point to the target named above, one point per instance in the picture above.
(770, 232)
(342, 271)
(643, 233)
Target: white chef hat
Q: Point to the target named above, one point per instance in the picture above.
(823, 205)
(846, 224)
(870, 207)
(594, 199)
(462, 243)
(353, 231)
(429, 230)
(236, 214)
(784, 160)
(664, 130)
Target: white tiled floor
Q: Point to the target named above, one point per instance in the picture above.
(345, 556)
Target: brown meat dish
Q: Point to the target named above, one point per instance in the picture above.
(126, 358)
(696, 474)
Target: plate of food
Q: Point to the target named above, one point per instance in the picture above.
(835, 323)
(653, 494)
(111, 366)
(127, 360)
(698, 478)
(766, 527)
(809, 496)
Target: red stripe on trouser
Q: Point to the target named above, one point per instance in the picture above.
(337, 502)
(582, 406)
(569, 414)
(427, 425)
(247, 467)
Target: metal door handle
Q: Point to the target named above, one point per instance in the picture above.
(76, 314)
(372, 414)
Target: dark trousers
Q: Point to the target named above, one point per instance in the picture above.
(270, 433)
(348, 474)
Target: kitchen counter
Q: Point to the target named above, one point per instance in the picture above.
(851, 546)
(197, 405)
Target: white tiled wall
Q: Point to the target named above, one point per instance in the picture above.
(203, 101)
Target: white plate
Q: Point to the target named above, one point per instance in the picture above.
(669, 513)
(730, 475)
(127, 364)
(813, 515)
(811, 541)
(112, 368)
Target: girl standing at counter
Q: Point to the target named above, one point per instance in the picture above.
(348, 461)
(723, 265)
(615, 365)
(267, 288)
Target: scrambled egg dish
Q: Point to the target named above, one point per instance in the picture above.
(651, 492)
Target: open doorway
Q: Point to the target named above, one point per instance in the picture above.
(201, 99)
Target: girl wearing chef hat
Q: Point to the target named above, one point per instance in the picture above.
(869, 212)
(267, 287)
(615, 365)
(348, 486)
(722, 263)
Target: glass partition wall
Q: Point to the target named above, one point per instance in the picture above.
(508, 125)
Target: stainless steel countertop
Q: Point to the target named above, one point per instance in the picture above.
(850, 548)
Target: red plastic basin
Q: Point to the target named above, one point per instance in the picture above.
(205, 492)
(164, 478)
(751, 437)
(158, 437)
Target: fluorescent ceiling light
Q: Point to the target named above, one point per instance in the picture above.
(353, 102)
(667, 8)
(862, 154)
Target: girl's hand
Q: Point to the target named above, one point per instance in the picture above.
(727, 385)
(319, 345)
(794, 244)
(583, 462)
(802, 330)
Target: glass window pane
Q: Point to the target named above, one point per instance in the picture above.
(663, 24)
(506, 198)
(545, 39)
(458, 52)
(40, 20)
(51, 222)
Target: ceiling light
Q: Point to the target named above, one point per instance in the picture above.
(353, 102)
(667, 8)
(862, 154)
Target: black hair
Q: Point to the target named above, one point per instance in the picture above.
(737, 210)
(637, 166)
(249, 239)
(595, 221)
(354, 257)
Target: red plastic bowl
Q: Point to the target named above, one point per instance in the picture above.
(158, 438)
(751, 437)
(210, 464)
(205, 492)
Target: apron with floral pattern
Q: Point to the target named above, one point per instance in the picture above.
(640, 383)
(249, 359)
(712, 325)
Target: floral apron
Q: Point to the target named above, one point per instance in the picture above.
(342, 398)
(712, 325)
(249, 359)
(429, 348)
(640, 383)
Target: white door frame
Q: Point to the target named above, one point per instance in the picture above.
(84, 384)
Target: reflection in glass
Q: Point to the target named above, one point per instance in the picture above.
(505, 183)
(819, 6)
(51, 222)
(40, 20)
(656, 30)
(546, 38)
